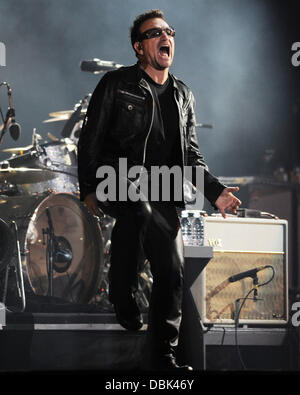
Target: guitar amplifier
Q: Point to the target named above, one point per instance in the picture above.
(240, 245)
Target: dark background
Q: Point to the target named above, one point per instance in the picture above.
(234, 54)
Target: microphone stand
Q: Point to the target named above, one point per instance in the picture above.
(50, 251)
(10, 113)
(19, 271)
(255, 299)
(16, 265)
(255, 283)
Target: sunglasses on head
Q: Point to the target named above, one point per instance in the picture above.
(156, 32)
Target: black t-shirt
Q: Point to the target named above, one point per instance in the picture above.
(163, 145)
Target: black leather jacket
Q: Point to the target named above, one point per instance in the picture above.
(118, 122)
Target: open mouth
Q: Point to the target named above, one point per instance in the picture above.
(164, 50)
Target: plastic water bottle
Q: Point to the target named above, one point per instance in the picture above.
(197, 230)
(186, 229)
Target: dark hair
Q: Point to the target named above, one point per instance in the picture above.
(139, 20)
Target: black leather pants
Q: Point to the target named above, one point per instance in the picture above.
(152, 229)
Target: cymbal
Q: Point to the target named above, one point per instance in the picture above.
(17, 149)
(65, 114)
(62, 115)
(24, 175)
(57, 119)
(53, 138)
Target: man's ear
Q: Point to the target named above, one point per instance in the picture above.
(138, 48)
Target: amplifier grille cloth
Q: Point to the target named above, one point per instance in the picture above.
(221, 294)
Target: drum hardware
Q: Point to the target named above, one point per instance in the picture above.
(58, 252)
(35, 139)
(53, 164)
(15, 264)
(75, 118)
(8, 189)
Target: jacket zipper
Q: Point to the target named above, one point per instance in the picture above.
(182, 147)
(131, 95)
(152, 118)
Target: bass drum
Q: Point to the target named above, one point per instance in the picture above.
(79, 258)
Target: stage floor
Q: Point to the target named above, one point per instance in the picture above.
(68, 341)
(95, 342)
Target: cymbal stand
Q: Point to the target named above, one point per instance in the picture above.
(17, 265)
(50, 251)
(10, 111)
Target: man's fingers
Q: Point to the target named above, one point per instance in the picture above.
(238, 201)
(232, 189)
(235, 201)
(223, 212)
(98, 212)
(94, 210)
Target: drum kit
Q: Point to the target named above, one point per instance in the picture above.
(50, 245)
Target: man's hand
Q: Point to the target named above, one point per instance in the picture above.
(92, 204)
(227, 201)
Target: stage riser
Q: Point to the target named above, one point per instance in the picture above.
(70, 350)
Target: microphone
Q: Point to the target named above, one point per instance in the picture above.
(14, 129)
(97, 66)
(248, 273)
(204, 125)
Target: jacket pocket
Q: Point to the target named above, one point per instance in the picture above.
(129, 114)
(123, 94)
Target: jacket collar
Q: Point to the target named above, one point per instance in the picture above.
(144, 84)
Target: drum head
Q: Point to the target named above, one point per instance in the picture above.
(77, 249)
